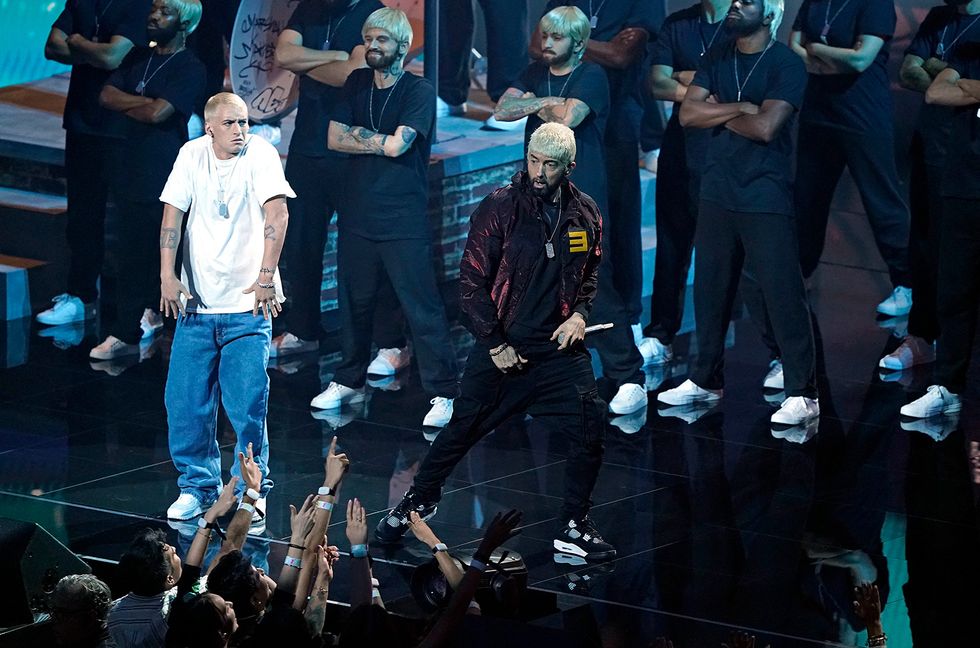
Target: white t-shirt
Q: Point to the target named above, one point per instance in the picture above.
(223, 253)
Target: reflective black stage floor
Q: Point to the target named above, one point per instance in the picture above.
(719, 523)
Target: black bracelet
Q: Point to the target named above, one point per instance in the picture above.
(296, 546)
(500, 350)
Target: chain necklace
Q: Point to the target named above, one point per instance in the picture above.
(549, 248)
(943, 50)
(741, 85)
(222, 204)
(141, 86)
(594, 15)
(706, 47)
(568, 77)
(98, 18)
(381, 117)
(827, 20)
(332, 31)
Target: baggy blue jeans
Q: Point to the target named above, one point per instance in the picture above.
(214, 357)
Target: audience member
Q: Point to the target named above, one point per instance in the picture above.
(152, 569)
(79, 607)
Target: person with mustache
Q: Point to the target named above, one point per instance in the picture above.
(322, 45)
(948, 31)
(847, 121)
(94, 37)
(153, 94)
(232, 190)
(385, 123)
(564, 89)
(747, 96)
(958, 292)
(529, 270)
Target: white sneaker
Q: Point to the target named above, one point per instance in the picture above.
(797, 433)
(185, 507)
(440, 412)
(651, 160)
(112, 347)
(687, 392)
(630, 423)
(898, 303)
(774, 379)
(796, 410)
(912, 351)
(937, 428)
(637, 331)
(336, 395)
(654, 351)
(67, 308)
(444, 109)
(388, 362)
(288, 344)
(937, 400)
(151, 322)
(654, 376)
(494, 124)
(629, 398)
(257, 526)
(271, 134)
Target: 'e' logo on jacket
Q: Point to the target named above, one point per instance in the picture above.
(578, 240)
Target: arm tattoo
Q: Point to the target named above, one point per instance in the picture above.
(270, 233)
(314, 619)
(365, 133)
(168, 238)
(408, 135)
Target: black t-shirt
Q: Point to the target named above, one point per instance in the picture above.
(740, 174)
(588, 84)
(97, 20)
(539, 312)
(961, 178)
(612, 17)
(387, 197)
(141, 163)
(857, 102)
(683, 39)
(321, 28)
(944, 34)
(281, 625)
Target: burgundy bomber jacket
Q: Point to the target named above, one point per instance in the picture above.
(507, 236)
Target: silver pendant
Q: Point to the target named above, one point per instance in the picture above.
(549, 250)
(940, 51)
(139, 87)
(223, 209)
(593, 21)
(326, 45)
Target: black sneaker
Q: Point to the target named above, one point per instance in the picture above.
(394, 525)
(581, 538)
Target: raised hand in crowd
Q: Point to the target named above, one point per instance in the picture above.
(357, 535)
(326, 558)
(300, 524)
(867, 606)
(741, 640)
(447, 564)
(224, 503)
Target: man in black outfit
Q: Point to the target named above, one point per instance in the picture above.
(322, 44)
(563, 88)
(527, 281)
(746, 212)
(153, 94)
(93, 36)
(386, 122)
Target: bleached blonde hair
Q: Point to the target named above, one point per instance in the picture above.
(554, 140)
(570, 22)
(393, 21)
(773, 8)
(188, 11)
(222, 99)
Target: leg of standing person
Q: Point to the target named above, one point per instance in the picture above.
(359, 268)
(819, 164)
(623, 221)
(244, 341)
(675, 224)
(137, 256)
(925, 205)
(717, 268)
(455, 43)
(507, 38)
(86, 157)
(772, 258)
(408, 265)
(191, 397)
(958, 292)
(871, 161)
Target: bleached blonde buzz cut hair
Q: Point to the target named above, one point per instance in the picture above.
(773, 8)
(553, 140)
(395, 22)
(567, 21)
(188, 11)
(222, 99)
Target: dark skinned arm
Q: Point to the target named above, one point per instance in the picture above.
(949, 89)
(625, 48)
(56, 47)
(698, 112)
(764, 125)
(105, 56)
(335, 74)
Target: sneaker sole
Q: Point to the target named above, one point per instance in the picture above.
(575, 550)
(401, 534)
(690, 401)
(952, 409)
(350, 401)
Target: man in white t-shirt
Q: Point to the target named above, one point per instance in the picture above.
(233, 191)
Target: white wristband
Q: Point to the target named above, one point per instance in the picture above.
(290, 561)
(248, 507)
(253, 494)
(326, 506)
